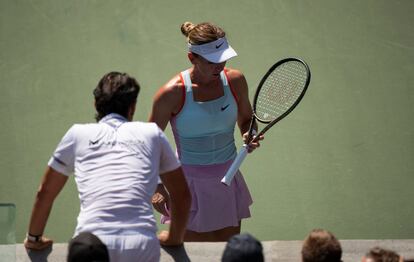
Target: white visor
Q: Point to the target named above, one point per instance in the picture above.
(216, 52)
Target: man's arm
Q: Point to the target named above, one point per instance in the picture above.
(174, 181)
(51, 185)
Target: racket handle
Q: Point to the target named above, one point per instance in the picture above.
(228, 177)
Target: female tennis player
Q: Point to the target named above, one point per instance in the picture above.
(203, 105)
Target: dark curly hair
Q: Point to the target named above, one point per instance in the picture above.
(115, 93)
(379, 254)
(321, 246)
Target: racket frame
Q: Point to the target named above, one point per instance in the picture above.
(243, 151)
(293, 106)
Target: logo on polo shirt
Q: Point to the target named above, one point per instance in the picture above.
(130, 144)
(134, 146)
(91, 143)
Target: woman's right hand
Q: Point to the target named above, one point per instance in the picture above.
(160, 200)
(159, 203)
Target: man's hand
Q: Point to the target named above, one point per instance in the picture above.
(43, 243)
(165, 240)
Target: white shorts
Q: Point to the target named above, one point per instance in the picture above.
(144, 247)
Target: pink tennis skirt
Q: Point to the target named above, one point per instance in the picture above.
(214, 205)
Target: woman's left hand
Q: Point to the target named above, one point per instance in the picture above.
(252, 145)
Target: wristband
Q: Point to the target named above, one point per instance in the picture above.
(33, 238)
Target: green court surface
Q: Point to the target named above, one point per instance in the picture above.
(7, 232)
(343, 160)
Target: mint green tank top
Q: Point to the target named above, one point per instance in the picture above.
(204, 131)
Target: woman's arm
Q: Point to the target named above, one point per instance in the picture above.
(167, 102)
(239, 85)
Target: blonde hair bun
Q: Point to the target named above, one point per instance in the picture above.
(186, 27)
(201, 33)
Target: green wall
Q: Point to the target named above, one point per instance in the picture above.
(343, 160)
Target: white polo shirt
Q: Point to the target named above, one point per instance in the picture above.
(116, 164)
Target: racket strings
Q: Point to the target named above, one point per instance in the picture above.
(281, 90)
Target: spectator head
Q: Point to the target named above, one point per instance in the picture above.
(86, 247)
(378, 254)
(243, 247)
(321, 246)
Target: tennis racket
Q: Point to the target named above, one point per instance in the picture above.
(279, 92)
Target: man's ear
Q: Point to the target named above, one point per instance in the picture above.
(131, 111)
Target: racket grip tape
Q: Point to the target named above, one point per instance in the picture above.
(228, 177)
